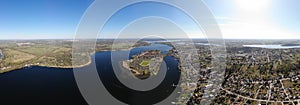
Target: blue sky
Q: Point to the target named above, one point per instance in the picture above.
(159, 12)
(40, 18)
(242, 19)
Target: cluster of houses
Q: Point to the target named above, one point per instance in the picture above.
(271, 84)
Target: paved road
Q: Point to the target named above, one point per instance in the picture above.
(249, 98)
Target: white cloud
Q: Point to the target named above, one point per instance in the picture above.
(256, 28)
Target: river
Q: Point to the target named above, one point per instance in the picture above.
(272, 46)
(57, 86)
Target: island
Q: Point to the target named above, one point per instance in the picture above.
(145, 64)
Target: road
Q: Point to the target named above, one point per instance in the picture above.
(249, 98)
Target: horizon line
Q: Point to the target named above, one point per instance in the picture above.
(149, 38)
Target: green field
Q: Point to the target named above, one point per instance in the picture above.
(145, 63)
(15, 56)
(40, 54)
(37, 50)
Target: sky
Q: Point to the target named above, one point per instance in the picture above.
(40, 19)
(237, 19)
(257, 19)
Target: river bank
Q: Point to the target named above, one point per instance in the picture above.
(59, 84)
(10, 68)
(144, 64)
(24, 65)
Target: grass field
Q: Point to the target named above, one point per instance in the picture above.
(145, 63)
(38, 50)
(44, 54)
(15, 56)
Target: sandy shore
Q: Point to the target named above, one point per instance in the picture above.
(126, 66)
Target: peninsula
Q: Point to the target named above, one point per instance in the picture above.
(145, 64)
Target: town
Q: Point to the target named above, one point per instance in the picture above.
(253, 75)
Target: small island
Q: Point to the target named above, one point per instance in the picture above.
(145, 64)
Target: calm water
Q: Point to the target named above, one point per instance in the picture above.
(272, 46)
(38, 86)
(127, 95)
(42, 85)
(162, 47)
